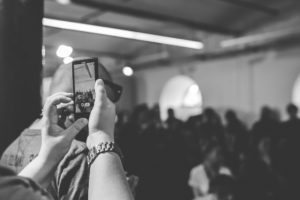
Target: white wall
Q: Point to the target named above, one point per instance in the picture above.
(243, 83)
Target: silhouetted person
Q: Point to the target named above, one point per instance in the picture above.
(236, 129)
(289, 145)
(236, 138)
(172, 122)
(211, 128)
(267, 126)
(259, 179)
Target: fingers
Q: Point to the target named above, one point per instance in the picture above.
(50, 109)
(67, 94)
(67, 105)
(75, 128)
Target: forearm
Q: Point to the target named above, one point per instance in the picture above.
(40, 170)
(107, 179)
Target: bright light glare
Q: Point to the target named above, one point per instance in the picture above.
(127, 71)
(194, 89)
(192, 97)
(122, 33)
(68, 60)
(64, 51)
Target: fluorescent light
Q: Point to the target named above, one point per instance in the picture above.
(65, 2)
(68, 60)
(122, 33)
(64, 51)
(127, 71)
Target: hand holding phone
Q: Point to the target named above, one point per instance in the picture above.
(85, 73)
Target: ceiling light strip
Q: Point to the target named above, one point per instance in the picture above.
(122, 33)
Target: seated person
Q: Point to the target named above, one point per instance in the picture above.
(201, 175)
(70, 180)
(106, 175)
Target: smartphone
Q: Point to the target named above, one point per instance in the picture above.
(85, 74)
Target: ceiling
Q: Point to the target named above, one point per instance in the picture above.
(191, 19)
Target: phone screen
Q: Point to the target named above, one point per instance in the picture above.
(84, 77)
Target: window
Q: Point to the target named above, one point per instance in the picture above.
(192, 97)
(183, 95)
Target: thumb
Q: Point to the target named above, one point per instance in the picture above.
(75, 128)
(100, 92)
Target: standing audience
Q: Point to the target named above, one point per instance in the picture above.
(255, 163)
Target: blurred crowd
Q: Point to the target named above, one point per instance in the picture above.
(206, 157)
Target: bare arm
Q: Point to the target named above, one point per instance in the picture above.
(39, 170)
(107, 178)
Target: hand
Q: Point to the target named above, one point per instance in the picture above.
(102, 118)
(56, 141)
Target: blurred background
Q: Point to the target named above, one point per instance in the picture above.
(249, 56)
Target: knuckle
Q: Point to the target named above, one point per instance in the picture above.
(101, 90)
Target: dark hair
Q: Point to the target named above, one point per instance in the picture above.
(292, 108)
(230, 115)
(223, 185)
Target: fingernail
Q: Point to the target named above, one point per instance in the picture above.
(99, 82)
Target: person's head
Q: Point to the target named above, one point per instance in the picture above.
(266, 113)
(213, 155)
(223, 187)
(171, 113)
(292, 110)
(230, 116)
(211, 116)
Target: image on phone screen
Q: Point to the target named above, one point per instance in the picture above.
(84, 77)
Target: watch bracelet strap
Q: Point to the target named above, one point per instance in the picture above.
(102, 148)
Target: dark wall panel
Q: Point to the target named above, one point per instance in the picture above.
(20, 66)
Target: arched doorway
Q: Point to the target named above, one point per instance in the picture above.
(183, 95)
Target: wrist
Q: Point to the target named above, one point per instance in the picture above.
(50, 157)
(98, 137)
(45, 162)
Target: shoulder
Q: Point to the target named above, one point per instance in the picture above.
(22, 150)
